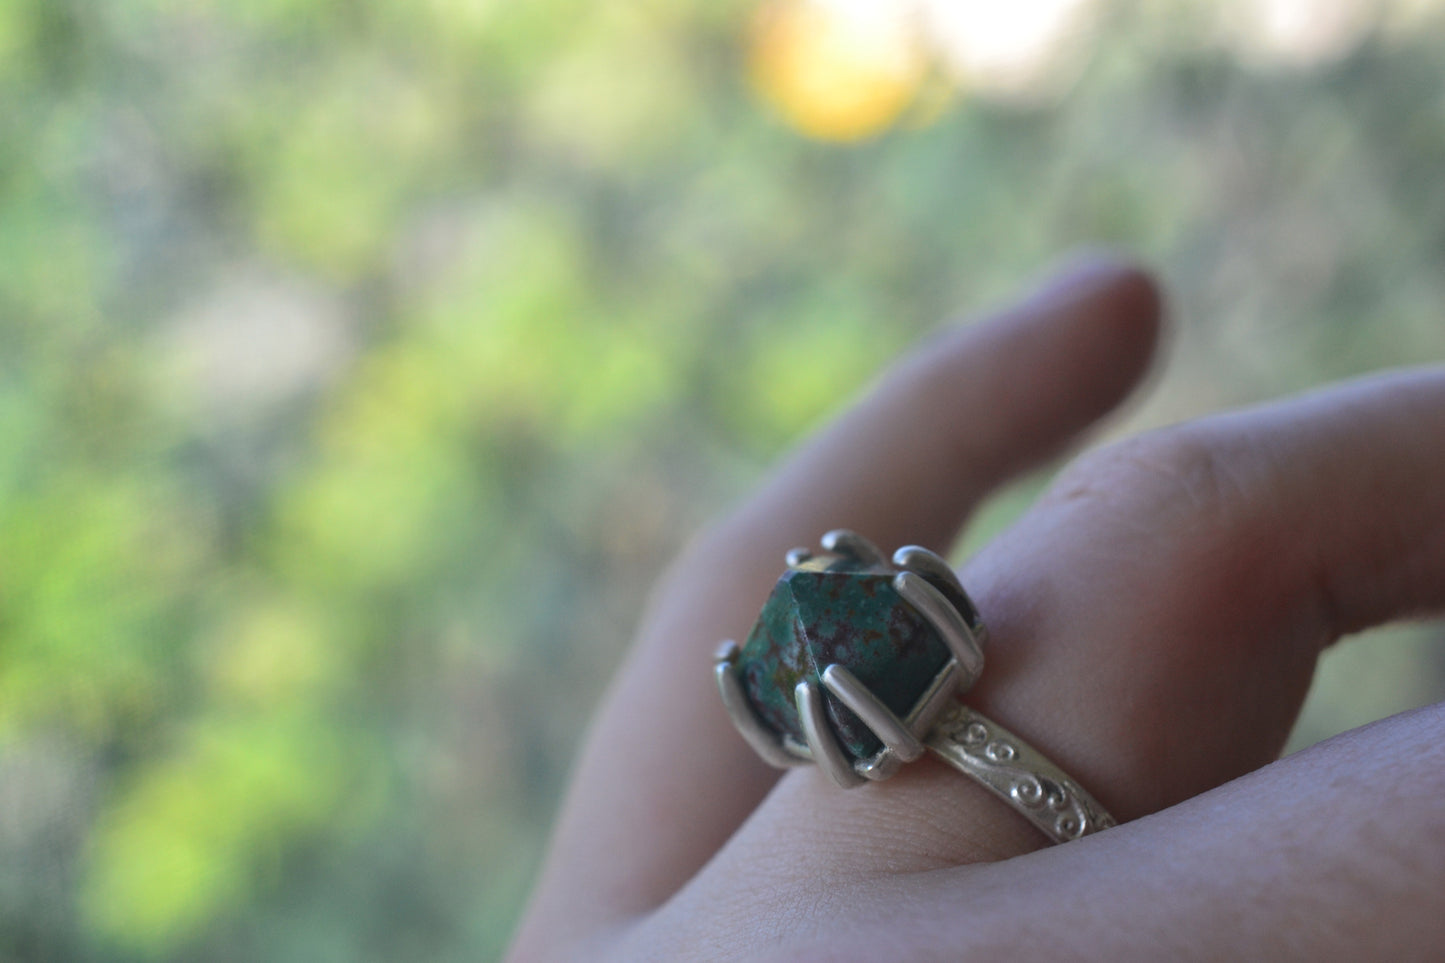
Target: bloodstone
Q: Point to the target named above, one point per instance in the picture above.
(836, 609)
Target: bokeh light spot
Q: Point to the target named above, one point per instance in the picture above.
(836, 70)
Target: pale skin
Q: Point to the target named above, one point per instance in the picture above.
(1155, 621)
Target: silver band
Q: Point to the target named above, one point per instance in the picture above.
(1017, 773)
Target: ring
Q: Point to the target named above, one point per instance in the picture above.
(855, 664)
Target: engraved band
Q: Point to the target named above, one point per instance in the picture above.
(1017, 773)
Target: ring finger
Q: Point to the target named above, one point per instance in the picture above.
(1155, 622)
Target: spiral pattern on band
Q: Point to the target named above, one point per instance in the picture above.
(1013, 770)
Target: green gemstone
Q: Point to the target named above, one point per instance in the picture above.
(837, 610)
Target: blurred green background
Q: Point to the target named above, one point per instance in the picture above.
(362, 362)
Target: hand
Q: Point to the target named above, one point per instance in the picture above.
(1155, 621)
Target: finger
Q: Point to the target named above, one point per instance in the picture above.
(664, 778)
(964, 411)
(1334, 853)
(1156, 619)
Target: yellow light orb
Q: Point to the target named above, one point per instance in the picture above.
(839, 70)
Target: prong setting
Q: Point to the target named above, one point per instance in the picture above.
(890, 729)
(935, 607)
(827, 753)
(931, 707)
(735, 700)
(883, 765)
(935, 569)
(921, 720)
(923, 582)
(797, 556)
(931, 565)
(841, 541)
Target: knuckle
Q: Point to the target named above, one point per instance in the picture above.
(1185, 477)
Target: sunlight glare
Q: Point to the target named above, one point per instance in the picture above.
(1003, 49)
(1300, 33)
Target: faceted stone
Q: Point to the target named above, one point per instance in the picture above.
(836, 609)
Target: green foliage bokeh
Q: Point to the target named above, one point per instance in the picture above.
(361, 362)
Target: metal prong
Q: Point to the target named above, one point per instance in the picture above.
(797, 556)
(939, 612)
(884, 765)
(727, 651)
(937, 698)
(841, 541)
(919, 560)
(826, 752)
(763, 741)
(921, 720)
(875, 715)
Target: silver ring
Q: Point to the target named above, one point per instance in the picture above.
(855, 664)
